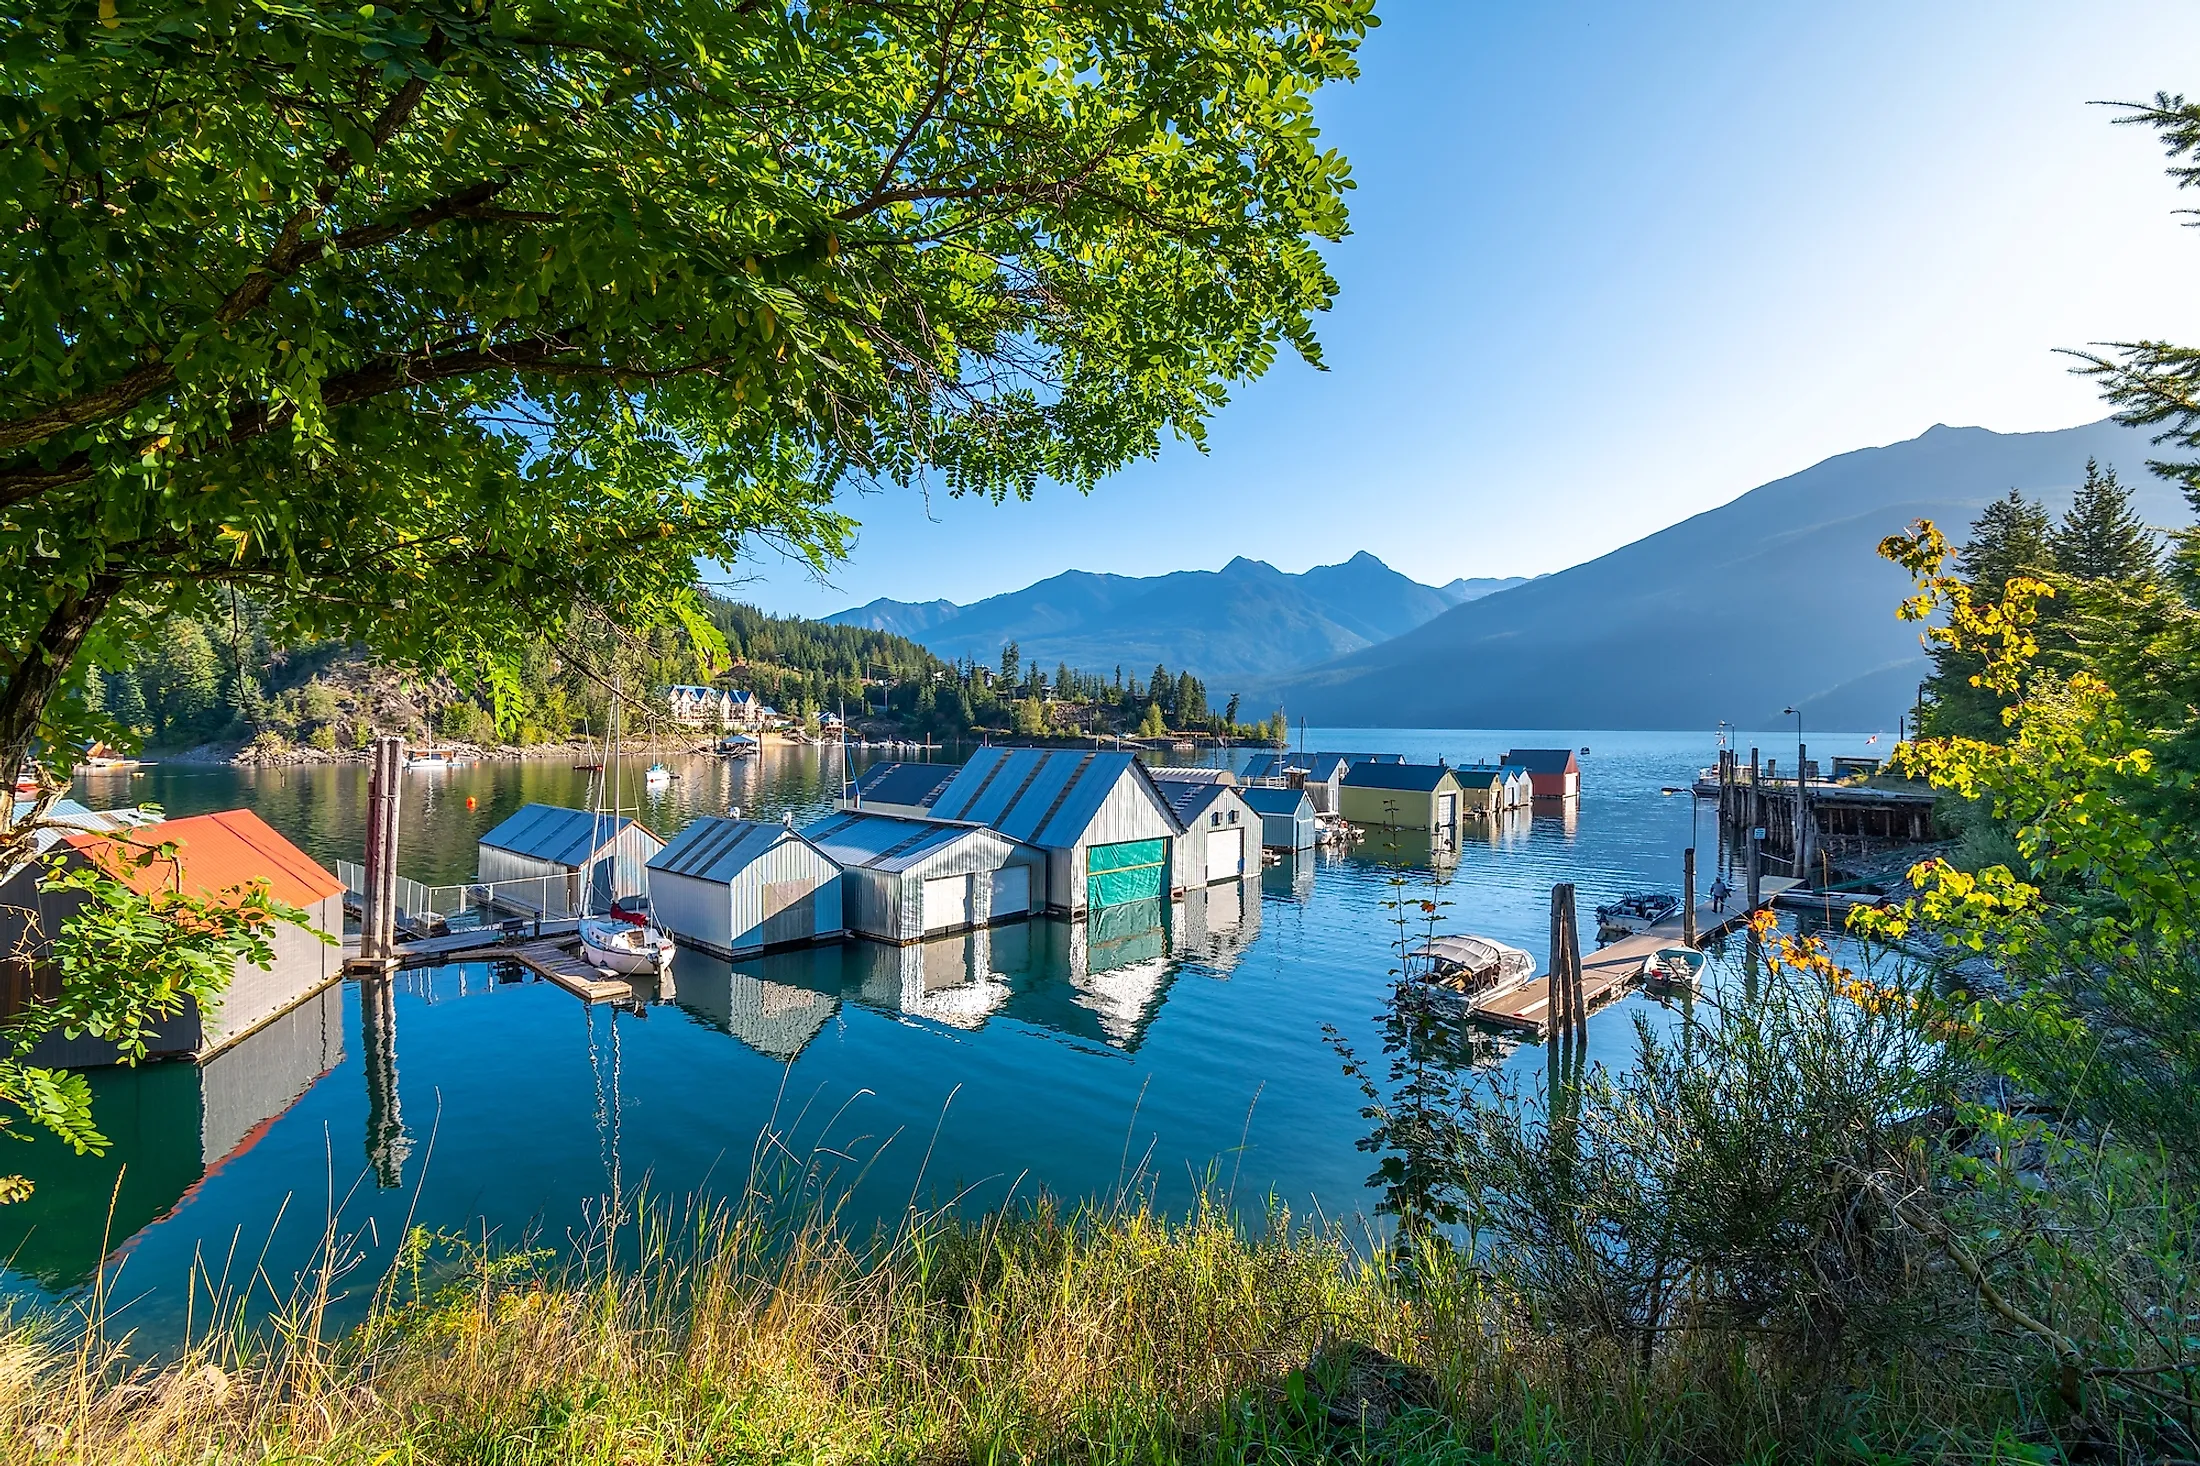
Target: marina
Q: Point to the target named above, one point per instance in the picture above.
(1190, 1023)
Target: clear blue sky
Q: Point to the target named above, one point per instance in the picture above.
(1613, 264)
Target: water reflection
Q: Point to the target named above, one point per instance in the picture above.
(171, 1126)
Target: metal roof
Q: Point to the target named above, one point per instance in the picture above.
(1278, 801)
(1542, 760)
(887, 842)
(1043, 797)
(1275, 765)
(1412, 778)
(1191, 800)
(904, 783)
(1177, 774)
(554, 833)
(1478, 776)
(215, 853)
(718, 848)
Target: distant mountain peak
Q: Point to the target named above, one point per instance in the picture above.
(1244, 623)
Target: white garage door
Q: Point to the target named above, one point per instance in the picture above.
(946, 903)
(1011, 891)
(1447, 811)
(1225, 854)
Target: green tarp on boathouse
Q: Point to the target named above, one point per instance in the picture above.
(1135, 870)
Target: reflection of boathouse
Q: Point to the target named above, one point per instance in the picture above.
(168, 1124)
(775, 1005)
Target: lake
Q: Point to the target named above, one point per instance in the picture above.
(1171, 1048)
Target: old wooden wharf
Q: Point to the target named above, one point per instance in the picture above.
(1812, 822)
(1608, 972)
(550, 949)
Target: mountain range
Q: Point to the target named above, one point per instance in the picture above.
(1777, 598)
(1243, 624)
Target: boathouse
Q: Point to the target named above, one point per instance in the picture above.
(1519, 789)
(1222, 839)
(906, 879)
(535, 860)
(216, 855)
(1401, 796)
(905, 789)
(737, 887)
(1286, 818)
(1553, 773)
(1482, 790)
(1109, 835)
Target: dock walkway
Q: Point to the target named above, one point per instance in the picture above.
(1608, 972)
(549, 951)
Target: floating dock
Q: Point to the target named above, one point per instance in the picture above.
(549, 950)
(1608, 972)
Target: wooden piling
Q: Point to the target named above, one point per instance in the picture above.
(1688, 896)
(378, 902)
(1756, 843)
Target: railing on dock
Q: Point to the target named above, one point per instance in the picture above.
(472, 903)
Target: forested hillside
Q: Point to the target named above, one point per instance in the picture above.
(228, 682)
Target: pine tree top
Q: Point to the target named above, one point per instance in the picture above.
(2101, 538)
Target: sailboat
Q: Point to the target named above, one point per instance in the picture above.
(624, 939)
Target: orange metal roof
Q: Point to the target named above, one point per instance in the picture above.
(217, 851)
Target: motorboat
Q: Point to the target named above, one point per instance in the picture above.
(738, 745)
(1470, 966)
(1634, 913)
(623, 945)
(433, 759)
(1673, 968)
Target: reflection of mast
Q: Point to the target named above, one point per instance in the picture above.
(608, 1103)
(387, 1143)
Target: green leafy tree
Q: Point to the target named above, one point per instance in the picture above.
(2011, 541)
(1031, 717)
(411, 318)
(1152, 726)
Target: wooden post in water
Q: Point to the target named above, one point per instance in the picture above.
(1800, 867)
(1756, 846)
(1554, 1013)
(378, 901)
(1688, 896)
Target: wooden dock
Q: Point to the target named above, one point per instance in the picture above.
(1608, 972)
(551, 951)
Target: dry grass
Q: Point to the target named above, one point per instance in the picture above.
(1118, 1335)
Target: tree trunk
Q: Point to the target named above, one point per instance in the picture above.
(37, 676)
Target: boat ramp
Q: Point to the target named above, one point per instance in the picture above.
(1609, 971)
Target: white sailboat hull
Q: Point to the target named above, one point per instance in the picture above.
(624, 947)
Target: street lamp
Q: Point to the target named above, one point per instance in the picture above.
(1798, 712)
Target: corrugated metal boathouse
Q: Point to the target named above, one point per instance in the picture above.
(542, 850)
(1108, 833)
(906, 879)
(736, 887)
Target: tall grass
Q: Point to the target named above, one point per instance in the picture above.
(1116, 1334)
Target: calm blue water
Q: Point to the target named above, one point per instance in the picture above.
(1163, 1048)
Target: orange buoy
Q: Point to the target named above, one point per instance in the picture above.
(469, 801)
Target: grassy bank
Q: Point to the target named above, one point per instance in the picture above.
(1117, 1336)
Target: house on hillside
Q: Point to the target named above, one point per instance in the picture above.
(1286, 817)
(1553, 773)
(214, 855)
(1401, 796)
(1222, 834)
(699, 707)
(547, 860)
(904, 789)
(1109, 834)
(733, 888)
(903, 880)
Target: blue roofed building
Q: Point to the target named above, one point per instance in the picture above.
(548, 860)
(905, 789)
(1109, 833)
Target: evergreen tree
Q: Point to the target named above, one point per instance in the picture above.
(2101, 538)
(2012, 537)
(1191, 700)
(125, 699)
(1230, 711)
(1012, 660)
(1162, 686)
(188, 681)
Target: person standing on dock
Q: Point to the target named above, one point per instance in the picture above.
(1718, 893)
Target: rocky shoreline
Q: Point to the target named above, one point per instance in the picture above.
(263, 753)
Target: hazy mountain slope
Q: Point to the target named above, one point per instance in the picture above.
(1243, 622)
(1733, 614)
(1466, 589)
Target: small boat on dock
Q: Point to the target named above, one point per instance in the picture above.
(1466, 966)
(738, 745)
(1634, 913)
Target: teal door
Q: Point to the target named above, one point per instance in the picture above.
(1133, 870)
